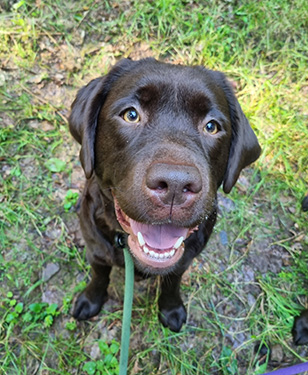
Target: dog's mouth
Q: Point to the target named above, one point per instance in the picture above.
(154, 246)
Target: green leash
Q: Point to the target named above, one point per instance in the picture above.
(127, 312)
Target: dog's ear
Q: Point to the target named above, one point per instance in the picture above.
(85, 111)
(245, 148)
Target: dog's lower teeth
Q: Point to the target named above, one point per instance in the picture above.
(156, 255)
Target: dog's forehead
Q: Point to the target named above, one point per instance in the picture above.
(167, 81)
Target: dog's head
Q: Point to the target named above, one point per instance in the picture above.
(163, 138)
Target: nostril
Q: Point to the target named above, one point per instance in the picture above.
(154, 183)
(187, 189)
(161, 185)
(194, 187)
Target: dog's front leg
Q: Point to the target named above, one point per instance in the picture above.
(91, 300)
(172, 312)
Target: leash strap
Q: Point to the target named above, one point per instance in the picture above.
(293, 370)
(127, 311)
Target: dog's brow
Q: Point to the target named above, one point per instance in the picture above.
(123, 103)
(147, 92)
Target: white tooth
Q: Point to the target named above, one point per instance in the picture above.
(172, 253)
(161, 256)
(156, 255)
(145, 249)
(178, 242)
(152, 254)
(140, 239)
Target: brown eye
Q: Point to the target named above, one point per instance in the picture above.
(131, 115)
(211, 127)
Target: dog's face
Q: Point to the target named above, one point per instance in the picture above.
(163, 138)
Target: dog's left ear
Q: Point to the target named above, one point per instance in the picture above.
(245, 148)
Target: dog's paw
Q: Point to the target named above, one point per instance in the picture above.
(300, 329)
(85, 308)
(173, 318)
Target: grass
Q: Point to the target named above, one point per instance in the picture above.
(252, 278)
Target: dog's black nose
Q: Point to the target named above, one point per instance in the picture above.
(173, 184)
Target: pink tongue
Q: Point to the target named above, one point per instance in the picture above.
(159, 236)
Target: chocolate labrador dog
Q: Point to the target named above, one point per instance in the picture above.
(157, 140)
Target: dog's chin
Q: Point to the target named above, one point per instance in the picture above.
(156, 249)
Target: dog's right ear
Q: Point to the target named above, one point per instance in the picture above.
(85, 111)
(83, 119)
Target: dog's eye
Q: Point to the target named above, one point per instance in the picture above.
(211, 127)
(131, 115)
